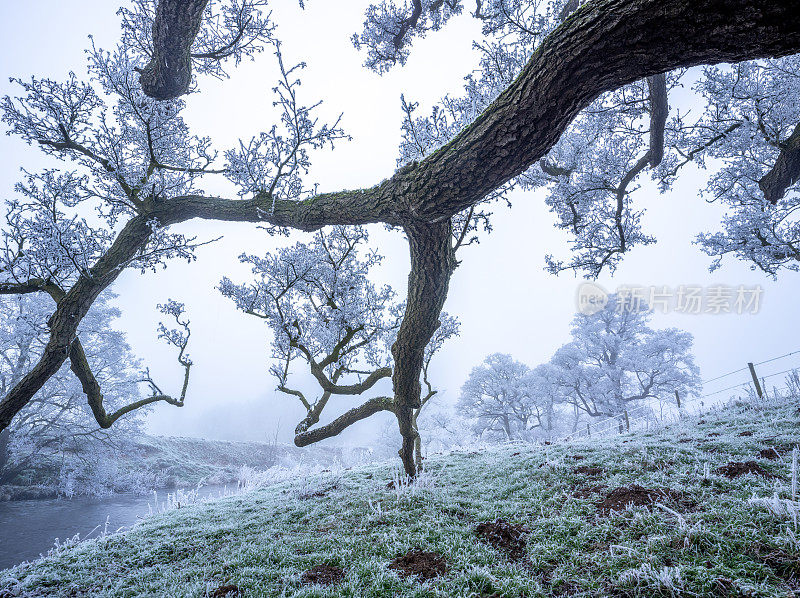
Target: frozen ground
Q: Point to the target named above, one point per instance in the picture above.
(565, 529)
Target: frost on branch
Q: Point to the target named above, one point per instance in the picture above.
(178, 338)
(389, 29)
(329, 318)
(273, 163)
(43, 239)
(751, 124)
(58, 423)
(170, 37)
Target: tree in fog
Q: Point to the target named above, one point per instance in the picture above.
(328, 319)
(568, 96)
(503, 398)
(615, 360)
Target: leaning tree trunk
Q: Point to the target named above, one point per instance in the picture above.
(5, 437)
(432, 264)
(70, 310)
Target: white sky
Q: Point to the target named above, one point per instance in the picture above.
(503, 297)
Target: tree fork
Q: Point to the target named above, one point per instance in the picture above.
(432, 264)
(69, 313)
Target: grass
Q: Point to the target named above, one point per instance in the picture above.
(704, 538)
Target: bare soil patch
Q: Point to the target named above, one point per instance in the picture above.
(223, 591)
(619, 498)
(504, 536)
(420, 564)
(734, 469)
(588, 491)
(325, 575)
(769, 453)
(746, 433)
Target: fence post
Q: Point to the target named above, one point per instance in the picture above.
(588, 430)
(755, 380)
(678, 398)
(627, 421)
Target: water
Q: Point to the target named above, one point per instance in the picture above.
(29, 528)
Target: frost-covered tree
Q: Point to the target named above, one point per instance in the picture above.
(615, 359)
(327, 317)
(566, 96)
(503, 399)
(57, 426)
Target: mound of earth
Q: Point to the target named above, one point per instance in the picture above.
(588, 491)
(324, 575)
(225, 591)
(505, 536)
(420, 564)
(736, 468)
(618, 499)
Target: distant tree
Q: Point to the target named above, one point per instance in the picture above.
(325, 313)
(569, 96)
(501, 397)
(615, 359)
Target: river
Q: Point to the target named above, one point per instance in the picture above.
(29, 528)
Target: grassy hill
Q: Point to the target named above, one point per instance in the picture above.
(521, 520)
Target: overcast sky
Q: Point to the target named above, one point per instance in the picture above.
(503, 297)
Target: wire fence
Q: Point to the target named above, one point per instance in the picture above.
(622, 422)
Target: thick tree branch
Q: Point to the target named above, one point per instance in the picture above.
(432, 264)
(91, 388)
(169, 72)
(349, 389)
(659, 110)
(786, 170)
(371, 407)
(70, 311)
(604, 45)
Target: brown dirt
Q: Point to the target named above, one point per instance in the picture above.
(578, 457)
(619, 498)
(713, 434)
(590, 471)
(736, 468)
(746, 433)
(420, 564)
(222, 591)
(505, 536)
(324, 575)
(588, 491)
(769, 453)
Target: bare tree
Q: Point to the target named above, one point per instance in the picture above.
(139, 164)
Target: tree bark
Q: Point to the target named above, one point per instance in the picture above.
(432, 263)
(169, 72)
(786, 170)
(371, 407)
(5, 437)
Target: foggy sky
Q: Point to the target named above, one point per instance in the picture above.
(500, 292)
